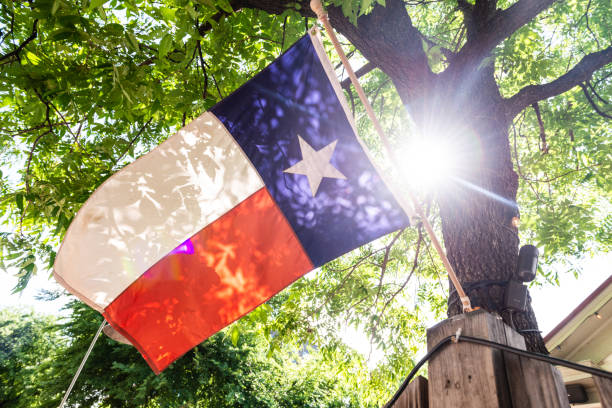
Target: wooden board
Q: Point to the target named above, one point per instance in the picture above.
(604, 386)
(414, 396)
(471, 375)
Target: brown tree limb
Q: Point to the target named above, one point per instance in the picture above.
(284, 33)
(544, 147)
(42, 125)
(586, 18)
(366, 69)
(398, 51)
(30, 156)
(203, 65)
(489, 31)
(215, 82)
(415, 263)
(383, 266)
(65, 122)
(592, 88)
(142, 129)
(47, 110)
(580, 73)
(560, 176)
(448, 53)
(207, 26)
(344, 280)
(16, 51)
(593, 104)
(518, 165)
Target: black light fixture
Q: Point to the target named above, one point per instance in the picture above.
(527, 263)
(576, 393)
(516, 293)
(515, 296)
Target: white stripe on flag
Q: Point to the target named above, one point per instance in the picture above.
(150, 207)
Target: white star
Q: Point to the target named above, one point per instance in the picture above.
(315, 164)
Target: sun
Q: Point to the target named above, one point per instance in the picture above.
(427, 164)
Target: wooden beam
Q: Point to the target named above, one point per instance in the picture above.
(604, 386)
(415, 395)
(471, 375)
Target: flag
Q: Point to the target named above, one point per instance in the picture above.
(269, 184)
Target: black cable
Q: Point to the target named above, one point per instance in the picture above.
(538, 356)
(475, 340)
(416, 368)
(529, 331)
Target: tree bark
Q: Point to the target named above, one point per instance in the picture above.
(465, 111)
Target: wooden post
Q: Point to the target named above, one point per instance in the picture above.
(471, 375)
(604, 386)
(414, 396)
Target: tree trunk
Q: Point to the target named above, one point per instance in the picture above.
(478, 204)
(463, 108)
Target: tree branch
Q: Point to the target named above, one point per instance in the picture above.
(30, 156)
(142, 129)
(536, 108)
(593, 104)
(207, 26)
(580, 73)
(16, 51)
(367, 68)
(415, 263)
(500, 26)
(448, 53)
(344, 280)
(383, 267)
(592, 88)
(385, 36)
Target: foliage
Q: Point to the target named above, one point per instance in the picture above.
(87, 86)
(27, 343)
(40, 357)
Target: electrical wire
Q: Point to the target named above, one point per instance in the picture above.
(475, 340)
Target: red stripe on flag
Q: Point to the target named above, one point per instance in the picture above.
(218, 275)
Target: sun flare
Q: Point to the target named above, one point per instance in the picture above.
(427, 164)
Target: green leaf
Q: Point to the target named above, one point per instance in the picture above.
(94, 4)
(168, 14)
(55, 6)
(208, 3)
(235, 335)
(33, 58)
(365, 5)
(132, 41)
(165, 45)
(114, 29)
(19, 201)
(225, 6)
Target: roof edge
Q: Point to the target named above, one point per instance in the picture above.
(574, 313)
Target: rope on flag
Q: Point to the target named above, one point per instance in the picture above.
(78, 372)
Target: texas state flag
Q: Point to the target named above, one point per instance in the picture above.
(268, 185)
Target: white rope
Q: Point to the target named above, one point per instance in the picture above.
(76, 375)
